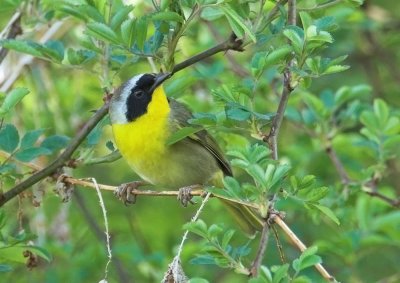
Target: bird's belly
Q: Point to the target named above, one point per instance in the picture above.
(182, 164)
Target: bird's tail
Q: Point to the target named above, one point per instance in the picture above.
(248, 221)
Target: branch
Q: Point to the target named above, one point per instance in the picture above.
(255, 267)
(233, 43)
(272, 137)
(60, 161)
(299, 244)
(14, 29)
(371, 188)
(338, 165)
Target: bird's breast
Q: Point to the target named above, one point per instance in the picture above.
(142, 142)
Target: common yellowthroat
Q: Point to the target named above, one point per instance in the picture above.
(143, 118)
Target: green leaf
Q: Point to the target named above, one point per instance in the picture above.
(310, 261)
(55, 143)
(15, 253)
(327, 211)
(27, 47)
(120, 16)
(29, 139)
(167, 16)
(296, 37)
(280, 272)
(381, 111)
(83, 12)
(226, 238)
(181, 134)
(238, 114)
(29, 154)
(306, 20)
(103, 32)
(199, 227)
(211, 13)
(12, 99)
(277, 55)
(9, 138)
(77, 57)
(128, 32)
(141, 32)
(317, 194)
(234, 17)
(335, 69)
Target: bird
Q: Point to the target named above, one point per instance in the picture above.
(143, 118)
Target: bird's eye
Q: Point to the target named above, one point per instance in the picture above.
(138, 93)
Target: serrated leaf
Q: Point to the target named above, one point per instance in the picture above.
(9, 138)
(381, 111)
(238, 114)
(238, 20)
(141, 32)
(128, 31)
(120, 16)
(12, 99)
(199, 227)
(296, 37)
(29, 139)
(211, 13)
(317, 194)
(181, 134)
(336, 69)
(306, 20)
(280, 272)
(29, 154)
(55, 143)
(103, 32)
(167, 16)
(276, 55)
(310, 261)
(226, 238)
(327, 211)
(27, 47)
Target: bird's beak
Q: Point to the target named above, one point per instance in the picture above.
(160, 78)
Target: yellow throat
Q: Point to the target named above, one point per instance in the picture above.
(143, 141)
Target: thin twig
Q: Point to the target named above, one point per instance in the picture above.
(278, 244)
(95, 228)
(344, 177)
(108, 245)
(255, 267)
(175, 270)
(299, 244)
(371, 188)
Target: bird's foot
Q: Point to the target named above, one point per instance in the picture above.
(125, 193)
(185, 196)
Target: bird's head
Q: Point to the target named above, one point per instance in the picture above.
(132, 98)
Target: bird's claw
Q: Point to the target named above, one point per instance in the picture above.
(185, 195)
(125, 193)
